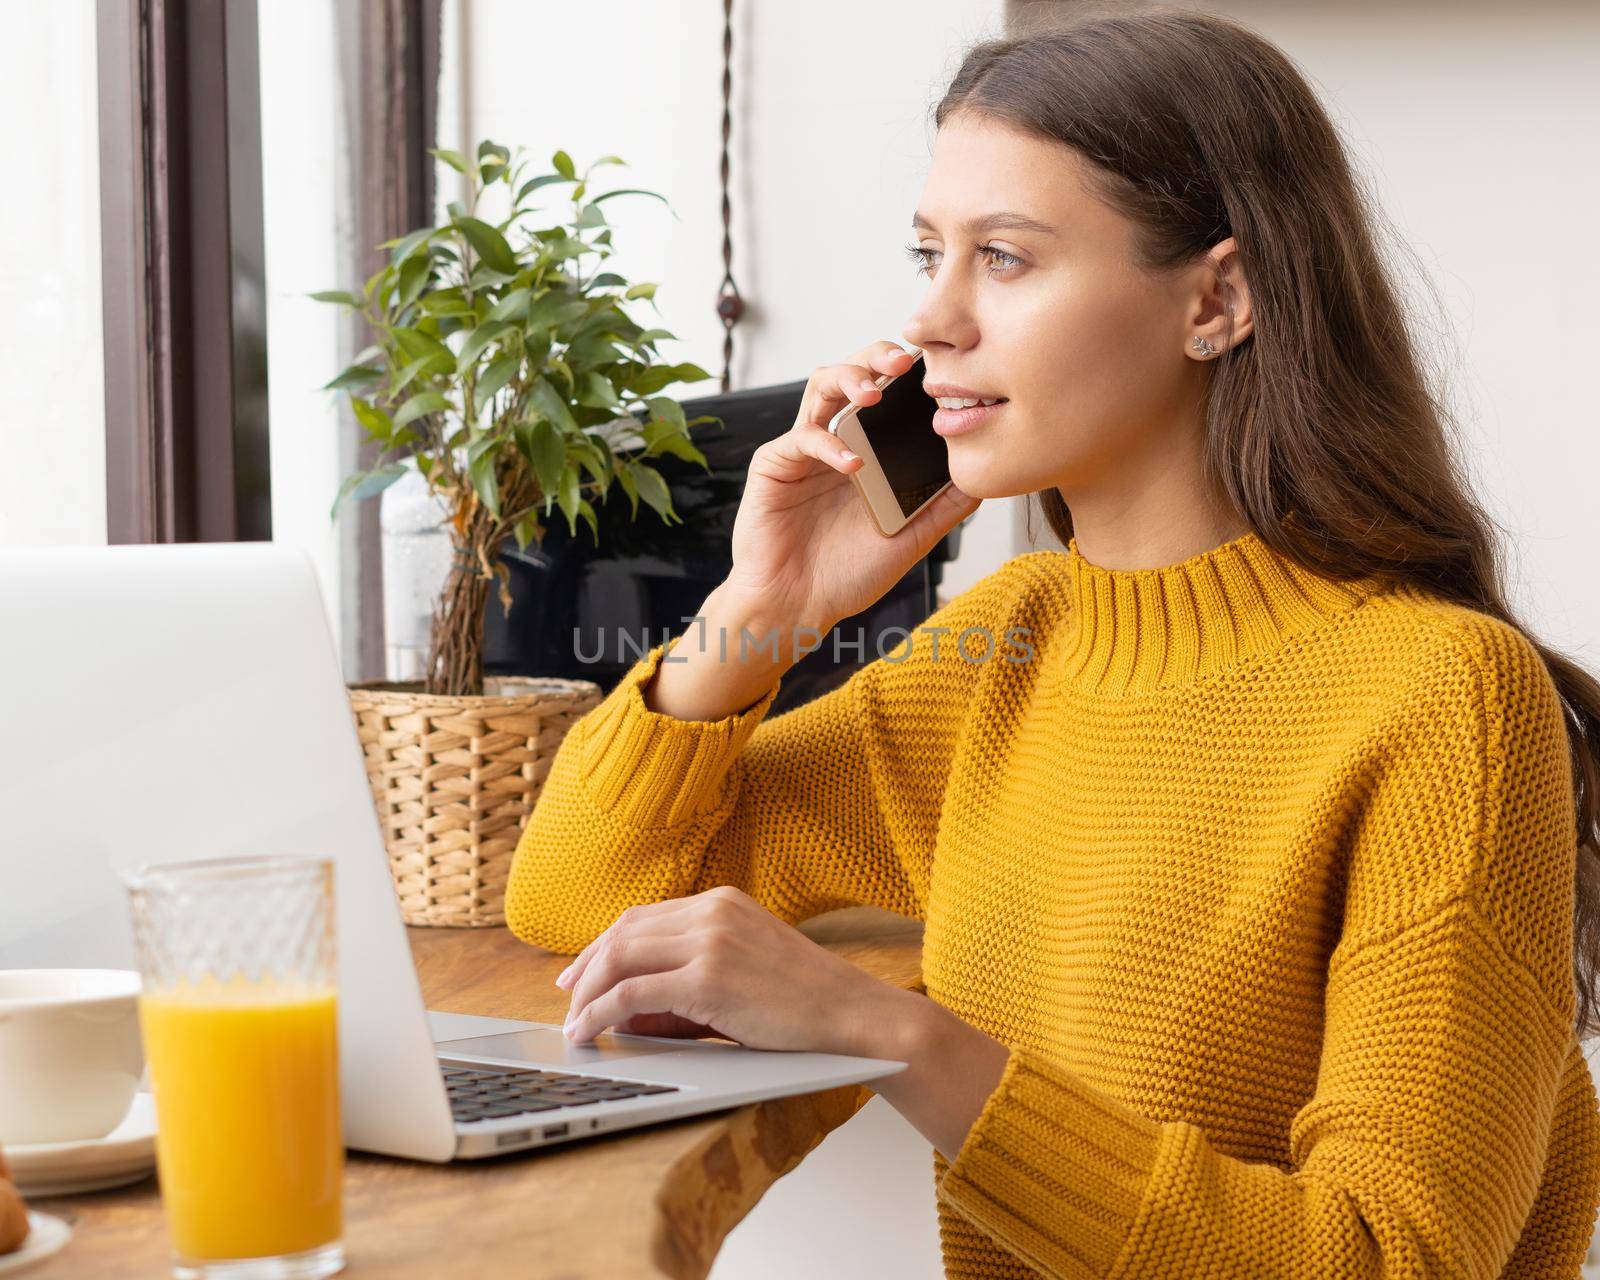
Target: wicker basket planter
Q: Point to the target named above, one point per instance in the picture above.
(454, 780)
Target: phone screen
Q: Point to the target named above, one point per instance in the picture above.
(899, 427)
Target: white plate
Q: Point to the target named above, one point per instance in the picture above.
(126, 1154)
(46, 1235)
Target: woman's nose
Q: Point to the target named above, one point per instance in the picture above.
(941, 317)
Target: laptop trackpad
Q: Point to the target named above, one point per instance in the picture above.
(550, 1045)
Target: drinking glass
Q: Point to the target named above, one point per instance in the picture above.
(239, 1012)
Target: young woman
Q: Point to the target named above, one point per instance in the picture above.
(1255, 842)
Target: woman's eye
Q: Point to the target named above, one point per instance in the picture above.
(1007, 261)
(1011, 260)
(920, 256)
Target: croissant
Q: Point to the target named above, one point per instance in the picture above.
(13, 1212)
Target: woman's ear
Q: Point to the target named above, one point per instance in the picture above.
(1221, 293)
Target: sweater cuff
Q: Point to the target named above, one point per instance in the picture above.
(1054, 1168)
(655, 770)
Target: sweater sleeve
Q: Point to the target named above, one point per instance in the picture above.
(833, 803)
(1448, 1017)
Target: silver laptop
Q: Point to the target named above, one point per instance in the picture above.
(171, 703)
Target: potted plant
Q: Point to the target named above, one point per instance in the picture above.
(506, 370)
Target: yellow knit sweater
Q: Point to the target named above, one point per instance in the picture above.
(1266, 880)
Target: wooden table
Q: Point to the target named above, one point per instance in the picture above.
(650, 1202)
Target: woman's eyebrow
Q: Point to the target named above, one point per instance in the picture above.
(991, 222)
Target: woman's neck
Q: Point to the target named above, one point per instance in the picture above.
(1152, 533)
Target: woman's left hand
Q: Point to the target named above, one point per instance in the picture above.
(719, 963)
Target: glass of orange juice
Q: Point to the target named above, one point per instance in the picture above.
(239, 1013)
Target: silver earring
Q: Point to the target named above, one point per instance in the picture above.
(1203, 347)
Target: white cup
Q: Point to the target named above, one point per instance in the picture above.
(70, 1053)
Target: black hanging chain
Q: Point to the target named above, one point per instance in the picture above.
(730, 306)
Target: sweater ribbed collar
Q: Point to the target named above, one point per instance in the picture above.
(1137, 630)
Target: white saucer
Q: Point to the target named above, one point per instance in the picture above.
(46, 1235)
(126, 1154)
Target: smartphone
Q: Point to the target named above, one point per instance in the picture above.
(905, 463)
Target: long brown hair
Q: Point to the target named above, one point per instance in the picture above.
(1197, 129)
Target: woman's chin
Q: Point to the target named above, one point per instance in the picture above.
(977, 477)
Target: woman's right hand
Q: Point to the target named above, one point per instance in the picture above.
(805, 547)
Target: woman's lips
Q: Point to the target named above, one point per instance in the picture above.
(953, 422)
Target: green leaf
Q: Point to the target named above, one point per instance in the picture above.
(492, 161)
(568, 497)
(527, 530)
(357, 375)
(536, 349)
(596, 391)
(416, 345)
(631, 191)
(586, 512)
(545, 450)
(481, 455)
(590, 217)
(653, 489)
(667, 410)
(679, 447)
(405, 245)
(366, 484)
(479, 340)
(658, 376)
(494, 377)
(549, 402)
(414, 272)
(422, 403)
(340, 296)
(408, 375)
(625, 478)
(377, 422)
(454, 159)
(445, 302)
(603, 447)
(595, 350)
(690, 372)
(594, 462)
(533, 184)
(490, 245)
(514, 303)
(646, 290)
(554, 309)
(561, 162)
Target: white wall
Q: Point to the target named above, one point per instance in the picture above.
(52, 406)
(304, 163)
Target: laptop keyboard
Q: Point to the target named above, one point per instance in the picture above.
(487, 1093)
